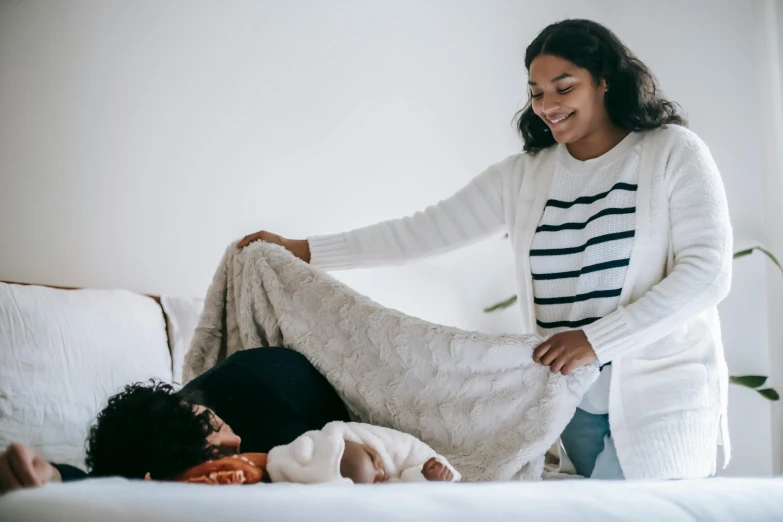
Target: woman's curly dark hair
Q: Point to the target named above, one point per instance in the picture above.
(147, 428)
(634, 101)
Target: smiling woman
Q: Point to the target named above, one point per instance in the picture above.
(621, 234)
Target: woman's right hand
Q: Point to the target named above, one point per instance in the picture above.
(298, 247)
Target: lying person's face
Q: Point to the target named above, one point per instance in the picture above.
(362, 464)
(223, 438)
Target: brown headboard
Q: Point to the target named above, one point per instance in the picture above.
(155, 297)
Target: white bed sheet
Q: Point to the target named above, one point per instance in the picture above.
(118, 500)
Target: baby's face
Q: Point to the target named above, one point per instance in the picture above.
(362, 464)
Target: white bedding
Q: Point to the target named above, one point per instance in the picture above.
(63, 353)
(118, 500)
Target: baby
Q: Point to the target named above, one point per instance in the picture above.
(351, 452)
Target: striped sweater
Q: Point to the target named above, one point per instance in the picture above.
(582, 246)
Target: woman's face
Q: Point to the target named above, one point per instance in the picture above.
(567, 99)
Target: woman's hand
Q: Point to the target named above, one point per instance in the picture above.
(298, 247)
(565, 352)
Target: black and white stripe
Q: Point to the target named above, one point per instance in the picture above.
(582, 246)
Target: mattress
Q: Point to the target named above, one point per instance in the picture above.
(119, 500)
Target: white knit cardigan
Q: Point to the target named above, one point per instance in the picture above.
(669, 388)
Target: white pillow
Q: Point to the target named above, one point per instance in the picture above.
(183, 314)
(63, 353)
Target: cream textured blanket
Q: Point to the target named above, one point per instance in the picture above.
(479, 400)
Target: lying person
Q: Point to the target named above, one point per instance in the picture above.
(357, 453)
(151, 428)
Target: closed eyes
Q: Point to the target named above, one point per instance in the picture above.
(559, 91)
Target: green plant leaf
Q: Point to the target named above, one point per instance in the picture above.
(501, 305)
(749, 251)
(769, 393)
(750, 381)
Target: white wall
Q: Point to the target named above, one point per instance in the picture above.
(138, 138)
(142, 137)
(772, 90)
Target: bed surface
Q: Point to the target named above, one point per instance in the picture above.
(119, 500)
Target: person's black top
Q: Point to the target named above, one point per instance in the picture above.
(269, 397)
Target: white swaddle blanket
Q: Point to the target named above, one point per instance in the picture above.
(479, 400)
(315, 456)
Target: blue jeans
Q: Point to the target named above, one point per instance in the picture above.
(588, 443)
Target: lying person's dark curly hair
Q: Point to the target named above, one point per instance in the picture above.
(147, 428)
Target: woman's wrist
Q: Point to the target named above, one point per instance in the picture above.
(300, 248)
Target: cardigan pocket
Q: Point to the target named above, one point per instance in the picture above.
(694, 338)
(669, 384)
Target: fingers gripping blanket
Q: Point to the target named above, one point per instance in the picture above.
(479, 400)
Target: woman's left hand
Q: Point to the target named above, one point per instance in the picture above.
(565, 352)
